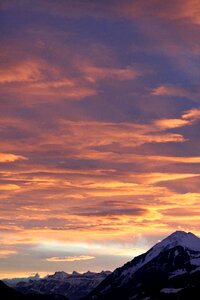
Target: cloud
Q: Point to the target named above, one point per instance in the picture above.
(69, 258)
(55, 91)
(191, 92)
(184, 159)
(42, 80)
(123, 160)
(187, 10)
(110, 211)
(192, 115)
(9, 187)
(173, 9)
(6, 253)
(126, 134)
(159, 177)
(94, 73)
(169, 91)
(25, 71)
(39, 80)
(187, 118)
(8, 157)
(171, 123)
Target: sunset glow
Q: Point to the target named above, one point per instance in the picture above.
(99, 131)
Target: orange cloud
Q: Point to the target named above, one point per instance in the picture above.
(6, 253)
(125, 134)
(46, 80)
(187, 118)
(171, 123)
(152, 178)
(9, 187)
(8, 157)
(190, 9)
(181, 159)
(192, 114)
(25, 71)
(73, 169)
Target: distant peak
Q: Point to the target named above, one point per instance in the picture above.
(179, 234)
(36, 276)
(75, 273)
(58, 275)
(89, 273)
(180, 238)
(105, 272)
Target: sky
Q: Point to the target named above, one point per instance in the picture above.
(99, 131)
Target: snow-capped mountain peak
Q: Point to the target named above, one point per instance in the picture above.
(179, 238)
(59, 275)
(172, 266)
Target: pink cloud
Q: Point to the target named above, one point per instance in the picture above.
(169, 91)
(25, 71)
(188, 10)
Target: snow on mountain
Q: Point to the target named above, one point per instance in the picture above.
(179, 238)
(170, 290)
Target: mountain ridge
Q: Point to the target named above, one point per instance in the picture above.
(73, 286)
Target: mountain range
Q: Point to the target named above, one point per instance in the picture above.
(169, 270)
(74, 286)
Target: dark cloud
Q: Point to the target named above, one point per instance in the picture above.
(101, 212)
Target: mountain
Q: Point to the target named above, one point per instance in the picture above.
(12, 282)
(7, 293)
(74, 286)
(169, 270)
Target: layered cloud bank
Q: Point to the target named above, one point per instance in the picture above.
(99, 130)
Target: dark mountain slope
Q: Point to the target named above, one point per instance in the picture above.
(7, 293)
